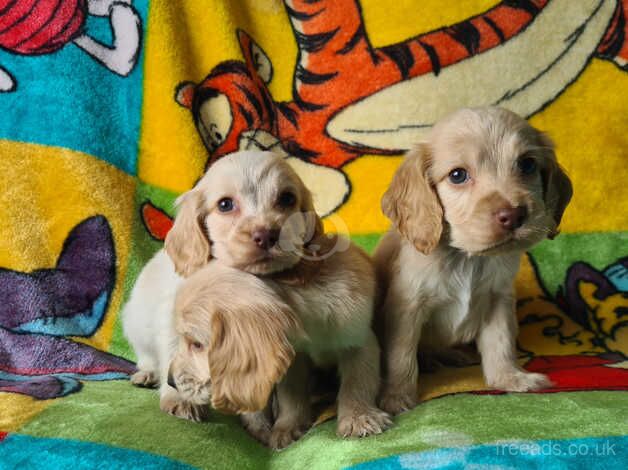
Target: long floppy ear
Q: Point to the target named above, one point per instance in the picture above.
(187, 243)
(314, 224)
(249, 353)
(557, 187)
(411, 202)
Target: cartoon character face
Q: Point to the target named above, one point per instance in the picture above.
(231, 101)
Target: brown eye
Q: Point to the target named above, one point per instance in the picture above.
(196, 346)
(287, 200)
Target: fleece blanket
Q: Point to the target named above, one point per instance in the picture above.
(110, 109)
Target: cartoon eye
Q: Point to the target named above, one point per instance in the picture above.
(215, 120)
(458, 176)
(226, 204)
(527, 165)
(286, 200)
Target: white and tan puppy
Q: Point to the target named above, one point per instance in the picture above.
(252, 213)
(464, 206)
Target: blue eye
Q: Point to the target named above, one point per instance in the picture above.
(225, 204)
(458, 176)
(527, 165)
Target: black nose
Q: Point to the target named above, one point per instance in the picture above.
(511, 218)
(265, 238)
(171, 381)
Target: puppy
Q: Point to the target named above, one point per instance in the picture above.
(254, 214)
(148, 324)
(234, 340)
(464, 206)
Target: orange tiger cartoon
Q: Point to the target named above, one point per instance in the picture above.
(351, 99)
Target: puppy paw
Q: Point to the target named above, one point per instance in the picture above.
(281, 437)
(145, 378)
(185, 410)
(520, 381)
(372, 421)
(396, 403)
(258, 426)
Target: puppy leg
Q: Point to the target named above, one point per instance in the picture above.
(293, 405)
(358, 415)
(147, 374)
(497, 344)
(259, 424)
(402, 335)
(170, 401)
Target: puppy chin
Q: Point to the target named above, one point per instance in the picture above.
(270, 265)
(519, 241)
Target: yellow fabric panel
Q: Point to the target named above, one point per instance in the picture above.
(587, 121)
(16, 409)
(50, 190)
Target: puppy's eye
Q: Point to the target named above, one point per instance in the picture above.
(458, 176)
(196, 346)
(526, 165)
(225, 204)
(287, 200)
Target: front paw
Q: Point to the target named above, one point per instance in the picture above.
(183, 409)
(396, 403)
(258, 426)
(520, 381)
(145, 378)
(281, 436)
(362, 424)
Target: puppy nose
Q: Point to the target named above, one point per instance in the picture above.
(266, 238)
(171, 381)
(511, 218)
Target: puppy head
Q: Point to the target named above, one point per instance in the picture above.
(486, 178)
(234, 340)
(250, 211)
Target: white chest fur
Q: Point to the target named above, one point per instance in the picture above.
(454, 292)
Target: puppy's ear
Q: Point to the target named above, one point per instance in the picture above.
(557, 187)
(411, 202)
(314, 224)
(187, 242)
(249, 353)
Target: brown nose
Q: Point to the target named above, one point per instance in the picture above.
(511, 218)
(265, 238)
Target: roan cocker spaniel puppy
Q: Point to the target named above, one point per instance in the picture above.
(464, 206)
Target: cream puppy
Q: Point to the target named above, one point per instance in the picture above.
(464, 206)
(251, 212)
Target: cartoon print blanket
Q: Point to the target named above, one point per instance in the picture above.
(110, 108)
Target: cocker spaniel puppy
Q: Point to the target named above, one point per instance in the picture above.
(252, 213)
(464, 206)
(234, 340)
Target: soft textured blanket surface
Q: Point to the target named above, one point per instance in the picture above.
(109, 109)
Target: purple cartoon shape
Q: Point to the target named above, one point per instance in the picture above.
(38, 309)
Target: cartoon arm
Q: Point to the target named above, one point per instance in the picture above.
(126, 31)
(7, 82)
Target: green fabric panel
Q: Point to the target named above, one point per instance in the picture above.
(368, 242)
(554, 257)
(118, 414)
